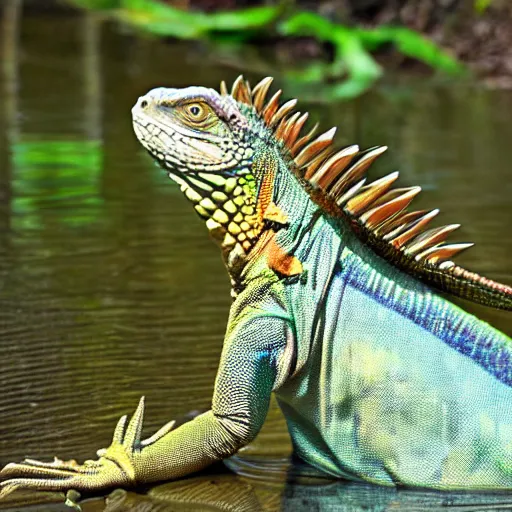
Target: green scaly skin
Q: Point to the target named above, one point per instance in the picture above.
(379, 379)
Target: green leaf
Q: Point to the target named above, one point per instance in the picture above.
(164, 20)
(482, 5)
(245, 19)
(97, 4)
(411, 44)
(351, 58)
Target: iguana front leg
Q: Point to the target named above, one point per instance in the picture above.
(251, 364)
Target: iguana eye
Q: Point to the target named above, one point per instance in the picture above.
(196, 112)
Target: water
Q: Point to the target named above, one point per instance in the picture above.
(109, 286)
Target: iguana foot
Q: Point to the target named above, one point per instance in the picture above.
(116, 466)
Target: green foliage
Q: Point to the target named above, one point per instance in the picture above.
(351, 58)
(412, 45)
(97, 4)
(482, 5)
(352, 45)
(164, 20)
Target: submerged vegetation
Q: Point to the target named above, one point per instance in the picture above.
(352, 68)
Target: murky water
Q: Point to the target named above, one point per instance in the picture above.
(109, 286)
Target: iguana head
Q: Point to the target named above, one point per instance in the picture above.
(206, 143)
(193, 130)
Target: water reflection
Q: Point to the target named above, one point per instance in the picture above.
(224, 493)
(109, 287)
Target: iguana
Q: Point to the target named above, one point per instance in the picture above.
(379, 378)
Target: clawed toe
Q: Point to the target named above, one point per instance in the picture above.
(30, 468)
(115, 466)
(55, 464)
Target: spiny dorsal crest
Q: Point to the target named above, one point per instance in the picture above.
(377, 211)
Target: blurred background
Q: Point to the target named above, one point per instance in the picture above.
(109, 286)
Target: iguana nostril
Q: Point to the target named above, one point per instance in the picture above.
(144, 104)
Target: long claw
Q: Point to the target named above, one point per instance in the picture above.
(11, 485)
(119, 430)
(6, 489)
(134, 430)
(34, 462)
(158, 435)
(57, 463)
(28, 470)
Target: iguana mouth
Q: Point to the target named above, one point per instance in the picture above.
(159, 140)
(203, 183)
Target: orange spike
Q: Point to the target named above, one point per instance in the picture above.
(389, 209)
(350, 193)
(283, 130)
(282, 112)
(303, 140)
(249, 91)
(442, 252)
(240, 92)
(295, 129)
(236, 84)
(333, 167)
(317, 161)
(314, 147)
(413, 229)
(223, 88)
(259, 93)
(430, 238)
(396, 225)
(271, 108)
(281, 127)
(357, 169)
(370, 193)
(392, 194)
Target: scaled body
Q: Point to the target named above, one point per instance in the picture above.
(380, 379)
(386, 389)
